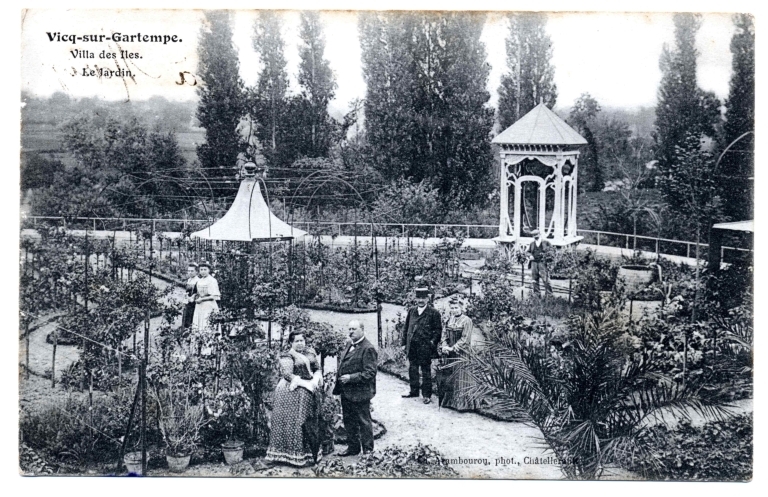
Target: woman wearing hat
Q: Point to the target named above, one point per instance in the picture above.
(207, 296)
(459, 338)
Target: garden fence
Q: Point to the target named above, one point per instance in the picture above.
(658, 245)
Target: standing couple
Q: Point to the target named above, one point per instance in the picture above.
(202, 294)
(424, 340)
(295, 436)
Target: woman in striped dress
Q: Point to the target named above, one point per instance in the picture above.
(459, 338)
(294, 436)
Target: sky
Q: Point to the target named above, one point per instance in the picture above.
(613, 56)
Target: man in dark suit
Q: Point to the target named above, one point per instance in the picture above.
(539, 269)
(356, 383)
(422, 332)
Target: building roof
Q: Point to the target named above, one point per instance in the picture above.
(249, 219)
(540, 126)
(737, 226)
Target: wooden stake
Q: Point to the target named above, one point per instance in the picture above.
(26, 336)
(53, 361)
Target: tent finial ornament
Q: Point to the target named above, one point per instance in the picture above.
(248, 170)
(253, 169)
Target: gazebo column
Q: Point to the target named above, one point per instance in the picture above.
(574, 189)
(517, 216)
(504, 200)
(543, 208)
(557, 213)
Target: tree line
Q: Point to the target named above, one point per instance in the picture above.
(419, 142)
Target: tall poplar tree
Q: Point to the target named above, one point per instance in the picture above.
(425, 110)
(389, 101)
(268, 100)
(452, 113)
(221, 106)
(314, 128)
(531, 76)
(683, 108)
(737, 167)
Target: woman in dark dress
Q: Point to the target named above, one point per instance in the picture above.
(459, 338)
(295, 433)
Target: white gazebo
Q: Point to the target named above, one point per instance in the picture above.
(249, 218)
(539, 172)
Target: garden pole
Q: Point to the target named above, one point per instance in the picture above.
(85, 298)
(145, 362)
(119, 370)
(26, 338)
(128, 425)
(90, 401)
(290, 268)
(378, 300)
(53, 361)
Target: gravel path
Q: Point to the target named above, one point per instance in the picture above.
(460, 436)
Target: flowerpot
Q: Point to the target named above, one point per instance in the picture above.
(233, 452)
(177, 464)
(636, 277)
(132, 462)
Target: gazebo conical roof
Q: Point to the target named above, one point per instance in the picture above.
(249, 218)
(540, 126)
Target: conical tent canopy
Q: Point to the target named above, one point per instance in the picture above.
(249, 219)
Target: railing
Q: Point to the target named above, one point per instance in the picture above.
(651, 244)
(339, 228)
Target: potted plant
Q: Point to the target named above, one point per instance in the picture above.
(636, 271)
(180, 422)
(132, 462)
(230, 411)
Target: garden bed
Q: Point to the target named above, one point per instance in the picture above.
(716, 451)
(340, 307)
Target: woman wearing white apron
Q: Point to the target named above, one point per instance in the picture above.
(207, 295)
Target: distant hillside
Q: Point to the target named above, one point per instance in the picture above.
(639, 119)
(41, 118)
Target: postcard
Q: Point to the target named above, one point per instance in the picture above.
(387, 244)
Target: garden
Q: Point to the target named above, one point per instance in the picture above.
(615, 370)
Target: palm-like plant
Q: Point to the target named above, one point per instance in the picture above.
(592, 400)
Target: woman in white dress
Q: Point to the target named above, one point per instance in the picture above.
(207, 295)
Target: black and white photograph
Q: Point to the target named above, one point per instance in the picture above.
(386, 244)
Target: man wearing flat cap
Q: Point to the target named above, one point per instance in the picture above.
(421, 334)
(537, 252)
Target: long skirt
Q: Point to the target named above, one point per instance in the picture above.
(294, 426)
(455, 382)
(202, 311)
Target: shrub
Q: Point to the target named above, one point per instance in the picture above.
(592, 276)
(66, 433)
(590, 395)
(392, 357)
(230, 410)
(716, 451)
(327, 341)
(421, 461)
